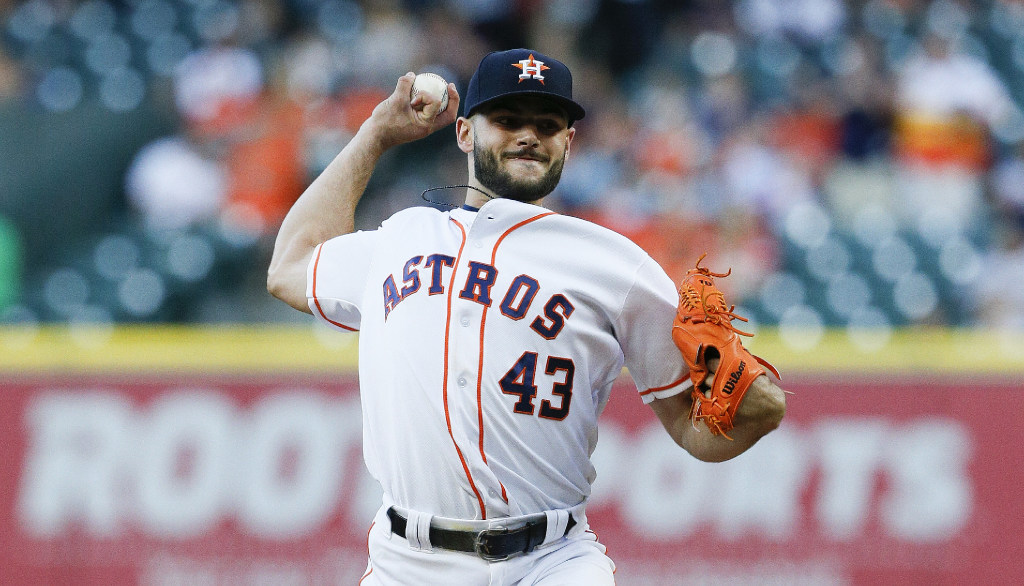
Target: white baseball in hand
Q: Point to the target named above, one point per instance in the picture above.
(433, 85)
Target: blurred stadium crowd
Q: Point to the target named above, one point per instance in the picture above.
(860, 164)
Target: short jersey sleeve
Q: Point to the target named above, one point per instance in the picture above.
(644, 329)
(336, 279)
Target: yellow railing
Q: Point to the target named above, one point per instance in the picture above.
(273, 348)
(234, 349)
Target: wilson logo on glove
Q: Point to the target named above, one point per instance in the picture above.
(703, 329)
(734, 377)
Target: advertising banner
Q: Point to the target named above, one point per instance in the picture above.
(224, 479)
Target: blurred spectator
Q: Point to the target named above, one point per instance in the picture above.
(1008, 184)
(861, 178)
(947, 104)
(809, 130)
(390, 41)
(215, 87)
(238, 155)
(810, 21)
(760, 177)
(999, 297)
(264, 164)
(176, 182)
(722, 104)
(947, 101)
(671, 141)
(183, 180)
(865, 94)
(307, 66)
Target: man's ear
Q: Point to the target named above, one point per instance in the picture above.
(568, 141)
(464, 134)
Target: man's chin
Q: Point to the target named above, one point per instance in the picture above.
(518, 179)
(518, 192)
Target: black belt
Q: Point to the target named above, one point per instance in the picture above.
(490, 544)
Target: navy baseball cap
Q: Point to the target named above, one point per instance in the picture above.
(521, 71)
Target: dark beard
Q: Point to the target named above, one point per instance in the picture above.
(503, 184)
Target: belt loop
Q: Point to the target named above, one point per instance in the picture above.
(558, 520)
(417, 530)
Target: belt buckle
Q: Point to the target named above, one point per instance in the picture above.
(484, 549)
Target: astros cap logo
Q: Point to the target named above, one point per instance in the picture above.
(494, 79)
(531, 69)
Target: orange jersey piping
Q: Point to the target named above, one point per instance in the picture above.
(668, 386)
(444, 385)
(316, 301)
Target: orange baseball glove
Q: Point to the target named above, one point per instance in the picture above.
(703, 329)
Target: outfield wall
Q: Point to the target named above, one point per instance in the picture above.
(174, 455)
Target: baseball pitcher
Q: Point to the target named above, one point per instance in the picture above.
(491, 334)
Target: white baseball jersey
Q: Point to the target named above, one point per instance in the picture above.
(489, 342)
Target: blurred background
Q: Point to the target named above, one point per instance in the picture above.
(859, 165)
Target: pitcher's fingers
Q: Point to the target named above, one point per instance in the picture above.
(452, 111)
(708, 384)
(403, 89)
(453, 97)
(429, 108)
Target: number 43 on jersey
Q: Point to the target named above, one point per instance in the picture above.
(521, 380)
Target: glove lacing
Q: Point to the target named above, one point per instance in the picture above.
(710, 303)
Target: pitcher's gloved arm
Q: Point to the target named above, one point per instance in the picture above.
(761, 411)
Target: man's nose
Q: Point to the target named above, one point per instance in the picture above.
(527, 137)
